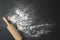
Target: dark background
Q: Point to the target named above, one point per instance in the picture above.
(47, 9)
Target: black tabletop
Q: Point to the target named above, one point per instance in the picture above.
(45, 9)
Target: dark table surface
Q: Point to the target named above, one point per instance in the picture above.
(44, 8)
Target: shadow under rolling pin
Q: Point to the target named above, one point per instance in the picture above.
(11, 28)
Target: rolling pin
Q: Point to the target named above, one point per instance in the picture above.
(11, 28)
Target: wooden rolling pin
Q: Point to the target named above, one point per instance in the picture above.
(11, 28)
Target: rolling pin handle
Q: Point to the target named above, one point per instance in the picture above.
(6, 21)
